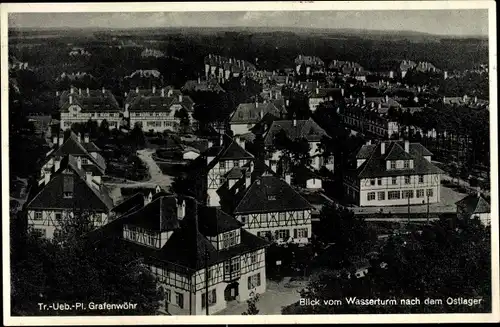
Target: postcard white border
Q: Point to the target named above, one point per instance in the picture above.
(250, 6)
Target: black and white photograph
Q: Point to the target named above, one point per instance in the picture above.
(291, 161)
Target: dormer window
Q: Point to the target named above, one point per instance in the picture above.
(271, 197)
(68, 195)
(393, 164)
(229, 239)
(406, 164)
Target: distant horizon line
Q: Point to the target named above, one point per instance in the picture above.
(478, 36)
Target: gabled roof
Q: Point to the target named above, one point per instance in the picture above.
(271, 194)
(85, 195)
(159, 215)
(474, 204)
(307, 129)
(146, 100)
(375, 164)
(91, 101)
(248, 113)
(72, 147)
(234, 151)
(213, 221)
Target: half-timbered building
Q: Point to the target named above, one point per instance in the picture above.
(269, 207)
(67, 190)
(201, 256)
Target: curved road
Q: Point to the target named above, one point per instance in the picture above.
(156, 175)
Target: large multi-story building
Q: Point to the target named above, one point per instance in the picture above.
(158, 110)
(225, 68)
(67, 189)
(80, 106)
(320, 95)
(309, 65)
(295, 130)
(393, 173)
(268, 207)
(202, 257)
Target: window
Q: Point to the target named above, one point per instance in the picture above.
(222, 164)
(407, 164)
(137, 114)
(38, 215)
(420, 193)
(68, 195)
(212, 298)
(381, 196)
(407, 179)
(430, 192)
(168, 295)
(421, 178)
(370, 196)
(284, 234)
(253, 257)
(408, 194)
(379, 181)
(393, 164)
(41, 232)
(394, 180)
(271, 197)
(244, 219)
(300, 233)
(179, 299)
(372, 182)
(85, 161)
(236, 163)
(393, 195)
(254, 281)
(229, 239)
(58, 216)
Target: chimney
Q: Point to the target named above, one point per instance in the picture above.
(79, 91)
(72, 90)
(54, 140)
(169, 93)
(261, 113)
(364, 101)
(407, 146)
(210, 144)
(61, 140)
(464, 99)
(287, 102)
(103, 90)
(79, 162)
(342, 91)
(294, 122)
(288, 178)
(317, 90)
(199, 80)
(88, 91)
(125, 94)
(181, 209)
(79, 137)
(475, 99)
(70, 99)
(46, 176)
(57, 93)
(137, 90)
(86, 138)
(382, 148)
(180, 97)
(386, 98)
(221, 140)
(88, 175)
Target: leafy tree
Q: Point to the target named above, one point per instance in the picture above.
(79, 267)
(104, 129)
(137, 136)
(252, 306)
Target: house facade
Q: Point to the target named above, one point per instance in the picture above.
(78, 106)
(393, 173)
(191, 248)
(247, 115)
(297, 129)
(158, 110)
(67, 189)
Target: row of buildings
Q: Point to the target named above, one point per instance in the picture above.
(151, 109)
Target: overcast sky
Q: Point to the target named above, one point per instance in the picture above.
(443, 22)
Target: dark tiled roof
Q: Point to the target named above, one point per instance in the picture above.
(234, 151)
(213, 221)
(93, 101)
(235, 173)
(375, 164)
(160, 215)
(321, 92)
(308, 129)
(85, 196)
(271, 194)
(130, 204)
(72, 147)
(247, 113)
(474, 204)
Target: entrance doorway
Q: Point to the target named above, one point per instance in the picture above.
(231, 291)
